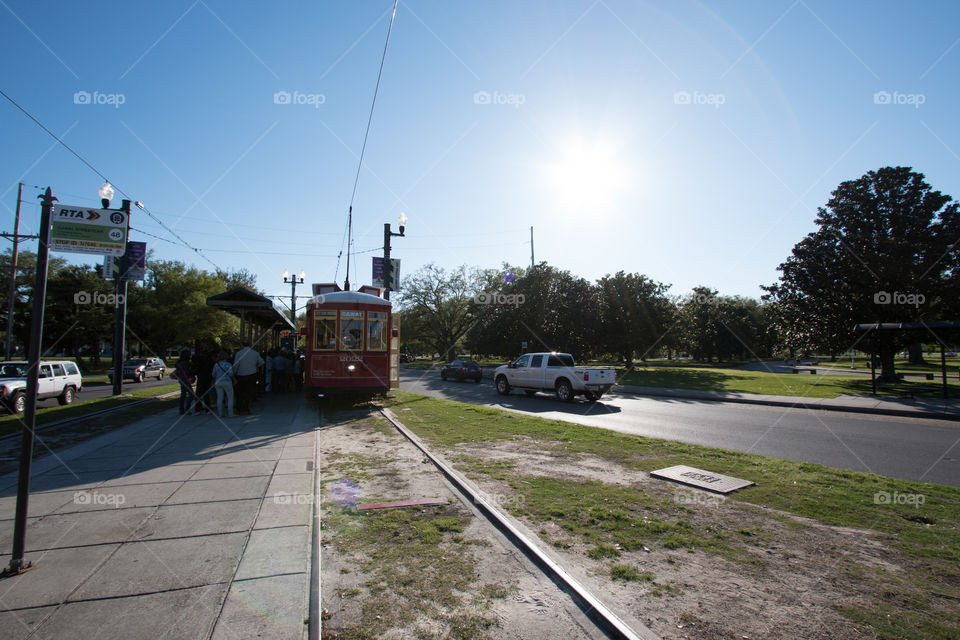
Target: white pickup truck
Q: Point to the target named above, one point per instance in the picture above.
(557, 372)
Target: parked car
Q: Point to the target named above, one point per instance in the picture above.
(556, 372)
(406, 357)
(461, 370)
(60, 379)
(139, 368)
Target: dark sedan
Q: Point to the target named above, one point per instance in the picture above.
(141, 368)
(461, 370)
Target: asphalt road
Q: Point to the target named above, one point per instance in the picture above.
(908, 448)
(93, 390)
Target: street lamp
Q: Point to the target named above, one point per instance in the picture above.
(293, 281)
(387, 265)
(106, 195)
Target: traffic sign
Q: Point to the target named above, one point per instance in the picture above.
(81, 230)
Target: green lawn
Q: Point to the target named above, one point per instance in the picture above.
(613, 517)
(932, 365)
(11, 423)
(707, 378)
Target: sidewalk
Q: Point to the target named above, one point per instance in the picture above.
(939, 408)
(169, 528)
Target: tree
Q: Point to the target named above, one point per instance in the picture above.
(439, 303)
(549, 309)
(170, 308)
(79, 311)
(634, 314)
(885, 251)
(25, 279)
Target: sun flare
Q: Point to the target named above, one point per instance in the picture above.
(582, 176)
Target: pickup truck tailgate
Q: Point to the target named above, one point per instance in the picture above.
(597, 376)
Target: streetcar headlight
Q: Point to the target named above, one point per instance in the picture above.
(351, 368)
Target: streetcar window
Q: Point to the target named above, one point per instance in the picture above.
(325, 330)
(351, 330)
(376, 331)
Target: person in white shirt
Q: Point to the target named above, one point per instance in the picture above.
(223, 382)
(245, 365)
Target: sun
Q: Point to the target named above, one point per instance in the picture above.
(584, 176)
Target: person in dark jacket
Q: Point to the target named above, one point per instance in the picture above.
(183, 372)
(202, 364)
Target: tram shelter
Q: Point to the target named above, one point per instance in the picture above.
(260, 321)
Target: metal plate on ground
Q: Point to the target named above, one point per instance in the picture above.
(701, 479)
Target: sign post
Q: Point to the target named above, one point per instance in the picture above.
(34, 350)
(120, 289)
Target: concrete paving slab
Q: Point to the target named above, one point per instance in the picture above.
(55, 574)
(110, 465)
(220, 489)
(245, 454)
(213, 470)
(293, 453)
(39, 504)
(77, 529)
(61, 480)
(264, 608)
(18, 625)
(177, 521)
(273, 552)
(285, 511)
(153, 476)
(162, 565)
(290, 483)
(187, 614)
(99, 499)
(296, 465)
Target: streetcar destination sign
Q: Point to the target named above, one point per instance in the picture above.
(716, 482)
(82, 230)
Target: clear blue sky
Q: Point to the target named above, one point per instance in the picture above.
(689, 141)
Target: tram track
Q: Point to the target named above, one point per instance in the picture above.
(605, 620)
(76, 420)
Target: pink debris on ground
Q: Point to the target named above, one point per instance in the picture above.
(401, 503)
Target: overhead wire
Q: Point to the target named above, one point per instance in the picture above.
(105, 179)
(366, 135)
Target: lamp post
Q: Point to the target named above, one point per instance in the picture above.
(294, 281)
(387, 265)
(120, 291)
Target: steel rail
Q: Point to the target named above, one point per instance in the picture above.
(599, 614)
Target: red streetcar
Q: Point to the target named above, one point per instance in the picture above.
(351, 342)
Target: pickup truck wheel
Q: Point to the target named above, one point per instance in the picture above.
(591, 396)
(19, 402)
(503, 387)
(443, 377)
(138, 378)
(67, 396)
(564, 391)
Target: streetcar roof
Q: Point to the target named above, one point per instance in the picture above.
(348, 297)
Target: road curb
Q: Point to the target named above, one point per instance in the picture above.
(800, 403)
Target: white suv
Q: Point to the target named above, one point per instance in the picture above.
(60, 379)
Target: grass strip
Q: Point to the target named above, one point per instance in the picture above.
(79, 408)
(923, 524)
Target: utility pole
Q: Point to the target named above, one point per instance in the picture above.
(34, 352)
(294, 281)
(13, 273)
(387, 265)
(531, 247)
